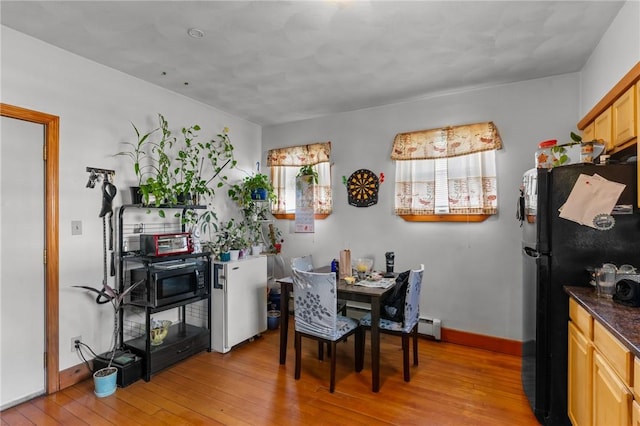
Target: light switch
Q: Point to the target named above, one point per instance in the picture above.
(76, 227)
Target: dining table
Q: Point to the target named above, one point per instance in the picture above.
(354, 292)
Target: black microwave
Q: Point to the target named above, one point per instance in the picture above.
(170, 282)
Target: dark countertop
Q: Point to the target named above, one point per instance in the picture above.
(622, 321)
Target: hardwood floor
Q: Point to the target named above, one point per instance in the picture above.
(453, 385)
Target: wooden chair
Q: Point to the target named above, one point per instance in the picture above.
(408, 327)
(316, 317)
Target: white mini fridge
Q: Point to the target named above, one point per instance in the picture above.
(238, 301)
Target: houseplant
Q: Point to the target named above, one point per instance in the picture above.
(105, 378)
(152, 165)
(138, 155)
(171, 169)
(308, 170)
(275, 239)
(199, 163)
(231, 236)
(252, 188)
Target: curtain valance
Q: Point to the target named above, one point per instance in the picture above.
(302, 155)
(446, 142)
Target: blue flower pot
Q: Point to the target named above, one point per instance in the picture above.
(259, 194)
(105, 381)
(275, 300)
(225, 256)
(273, 319)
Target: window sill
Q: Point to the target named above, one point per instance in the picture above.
(292, 216)
(446, 217)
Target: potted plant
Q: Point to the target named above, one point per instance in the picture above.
(169, 169)
(230, 239)
(253, 188)
(199, 163)
(309, 170)
(275, 239)
(138, 155)
(254, 232)
(105, 378)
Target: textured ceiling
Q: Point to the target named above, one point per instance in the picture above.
(280, 61)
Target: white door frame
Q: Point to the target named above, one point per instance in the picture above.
(51, 257)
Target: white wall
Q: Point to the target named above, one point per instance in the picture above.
(617, 52)
(96, 106)
(472, 270)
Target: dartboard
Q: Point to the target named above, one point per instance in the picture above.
(362, 188)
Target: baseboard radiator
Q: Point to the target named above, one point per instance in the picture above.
(427, 326)
(430, 327)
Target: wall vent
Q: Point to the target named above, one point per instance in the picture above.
(430, 327)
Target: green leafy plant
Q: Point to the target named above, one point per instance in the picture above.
(231, 235)
(559, 155)
(243, 193)
(110, 295)
(275, 239)
(175, 171)
(138, 152)
(192, 158)
(309, 170)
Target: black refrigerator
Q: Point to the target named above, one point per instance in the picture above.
(557, 252)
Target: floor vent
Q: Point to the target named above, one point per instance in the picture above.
(430, 327)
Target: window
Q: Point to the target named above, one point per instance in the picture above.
(447, 174)
(285, 164)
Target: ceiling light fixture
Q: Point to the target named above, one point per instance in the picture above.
(195, 32)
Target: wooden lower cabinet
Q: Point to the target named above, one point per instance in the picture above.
(611, 398)
(601, 375)
(579, 377)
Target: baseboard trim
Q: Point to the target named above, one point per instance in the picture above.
(73, 375)
(81, 372)
(480, 341)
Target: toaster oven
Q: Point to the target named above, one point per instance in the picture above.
(165, 244)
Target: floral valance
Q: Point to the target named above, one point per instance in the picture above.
(303, 155)
(446, 142)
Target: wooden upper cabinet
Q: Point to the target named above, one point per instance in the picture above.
(589, 132)
(624, 117)
(620, 109)
(602, 128)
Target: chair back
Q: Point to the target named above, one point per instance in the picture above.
(412, 299)
(314, 298)
(302, 263)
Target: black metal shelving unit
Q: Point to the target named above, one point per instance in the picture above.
(183, 339)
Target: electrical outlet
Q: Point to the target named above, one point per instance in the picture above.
(73, 342)
(138, 229)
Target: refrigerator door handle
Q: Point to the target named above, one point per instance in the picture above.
(218, 277)
(528, 251)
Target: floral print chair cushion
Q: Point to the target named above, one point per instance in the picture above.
(315, 306)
